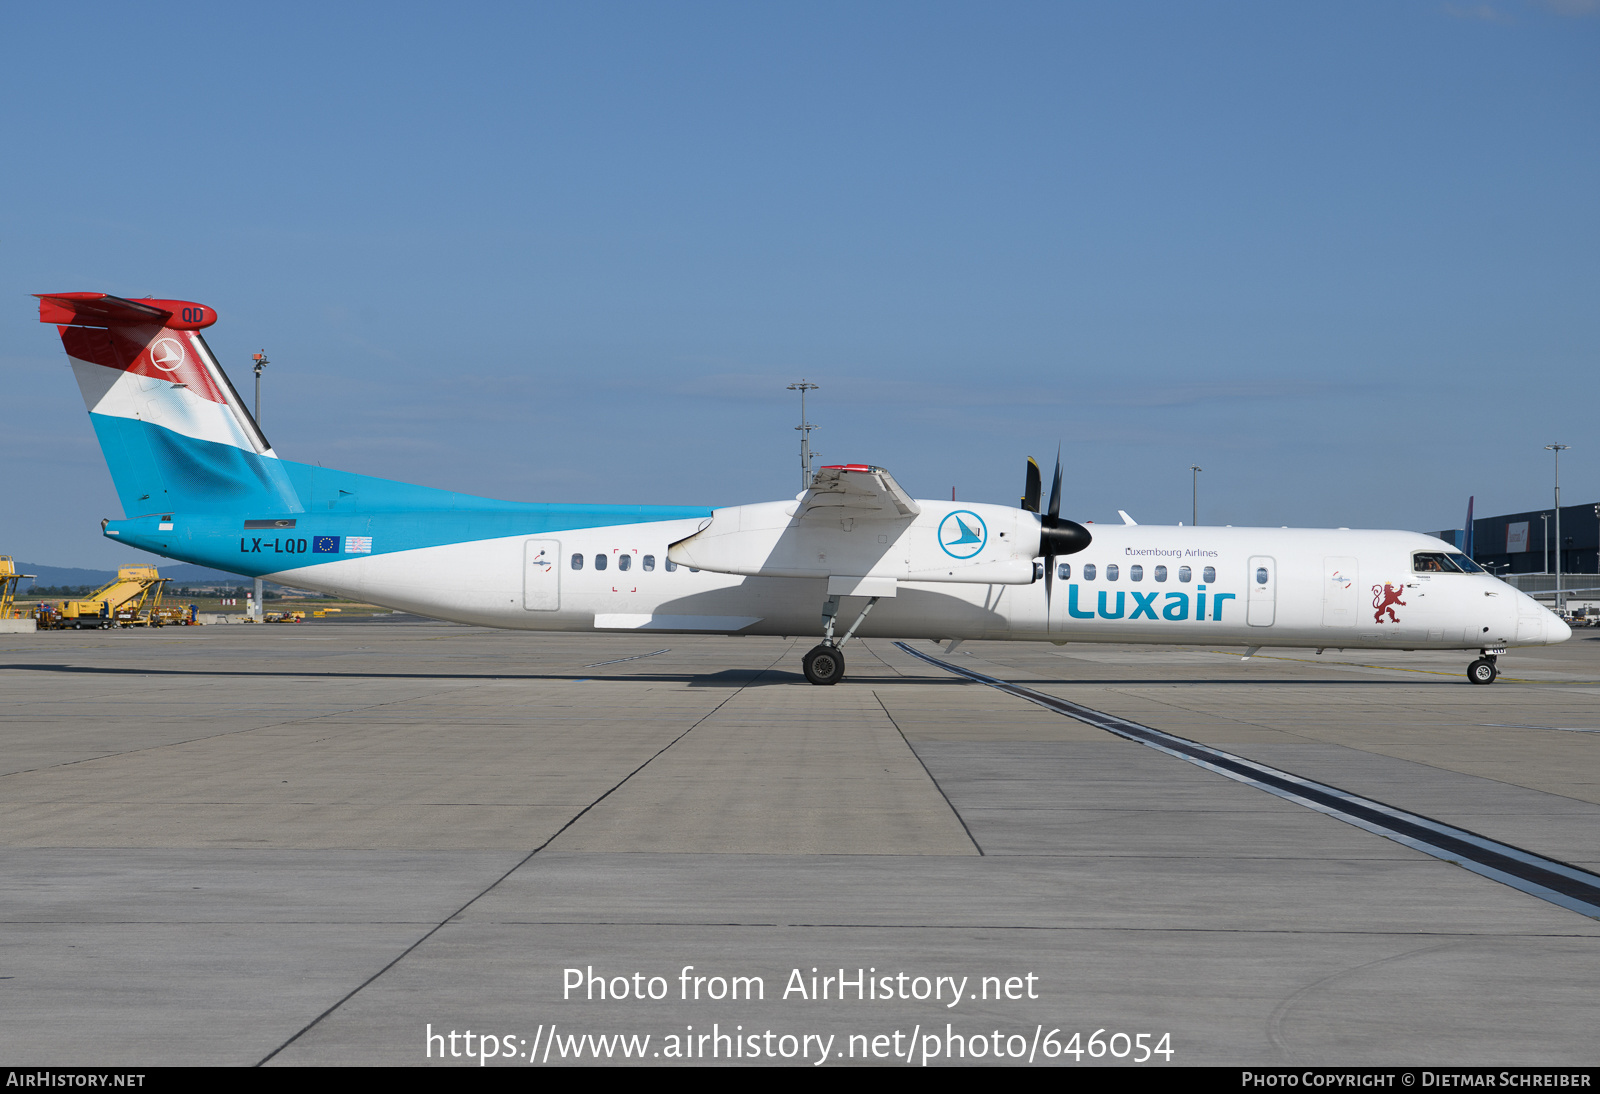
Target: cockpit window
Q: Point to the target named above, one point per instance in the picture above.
(1465, 563)
(1433, 562)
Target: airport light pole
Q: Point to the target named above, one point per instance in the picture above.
(261, 363)
(1558, 449)
(1194, 493)
(805, 429)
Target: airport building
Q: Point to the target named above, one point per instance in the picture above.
(1525, 543)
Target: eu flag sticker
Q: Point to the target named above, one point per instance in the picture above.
(325, 545)
(358, 545)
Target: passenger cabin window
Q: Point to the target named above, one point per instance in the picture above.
(1261, 575)
(1088, 571)
(1111, 572)
(599, 562)
(1209, 573)
(1135, 573)
(1184, 573)
(624, 561)
(1064, 570)
(1161, 573)
(671, 565)
(1466, 564)
(649, 562)
(577, 562)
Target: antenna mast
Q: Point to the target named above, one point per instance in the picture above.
(805, 429)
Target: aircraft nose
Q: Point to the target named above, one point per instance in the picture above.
(1556, 630)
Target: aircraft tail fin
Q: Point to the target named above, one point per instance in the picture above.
(1466, 534)
(174, 431)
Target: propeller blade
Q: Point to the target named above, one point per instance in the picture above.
(1055, 490)
(1030, 491)
(1056, 536)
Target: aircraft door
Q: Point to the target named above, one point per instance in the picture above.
(1341, 592)
(1263, 591)
(541, 575)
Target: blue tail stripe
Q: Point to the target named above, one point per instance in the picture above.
(211, 489)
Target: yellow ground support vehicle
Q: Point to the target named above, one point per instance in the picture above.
(8, 589)
(132, 600)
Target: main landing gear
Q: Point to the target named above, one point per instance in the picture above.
(824, 664)
(1483, 670)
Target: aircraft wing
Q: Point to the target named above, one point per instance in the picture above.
(855, 490)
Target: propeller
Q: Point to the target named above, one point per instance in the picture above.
(1030, 492)
(1056, 536)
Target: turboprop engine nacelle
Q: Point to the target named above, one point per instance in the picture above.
(823, 537)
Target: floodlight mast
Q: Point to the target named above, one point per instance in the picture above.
(1558, 449)
(261, 362)
(805, 429)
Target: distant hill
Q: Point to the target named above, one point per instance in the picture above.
(183, 573)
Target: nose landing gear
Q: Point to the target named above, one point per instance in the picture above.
(1483, 670)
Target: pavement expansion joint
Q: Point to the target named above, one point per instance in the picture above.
(455, 915)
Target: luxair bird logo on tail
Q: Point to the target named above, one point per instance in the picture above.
(962, 534)
(1382, 597)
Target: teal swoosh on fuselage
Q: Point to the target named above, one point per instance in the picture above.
(210, 490)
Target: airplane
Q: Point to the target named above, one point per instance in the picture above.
(851, 556)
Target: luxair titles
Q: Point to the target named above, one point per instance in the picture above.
(1174, 606)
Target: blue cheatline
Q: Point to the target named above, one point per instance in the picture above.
(211, 490)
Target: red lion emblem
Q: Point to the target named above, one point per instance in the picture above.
(1382, 597)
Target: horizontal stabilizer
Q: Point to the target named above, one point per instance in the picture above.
(98, 309)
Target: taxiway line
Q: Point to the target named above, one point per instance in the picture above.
(1549, 879)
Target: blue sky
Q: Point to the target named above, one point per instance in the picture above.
(1345, 256)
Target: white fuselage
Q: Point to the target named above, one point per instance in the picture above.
(1322, 588)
